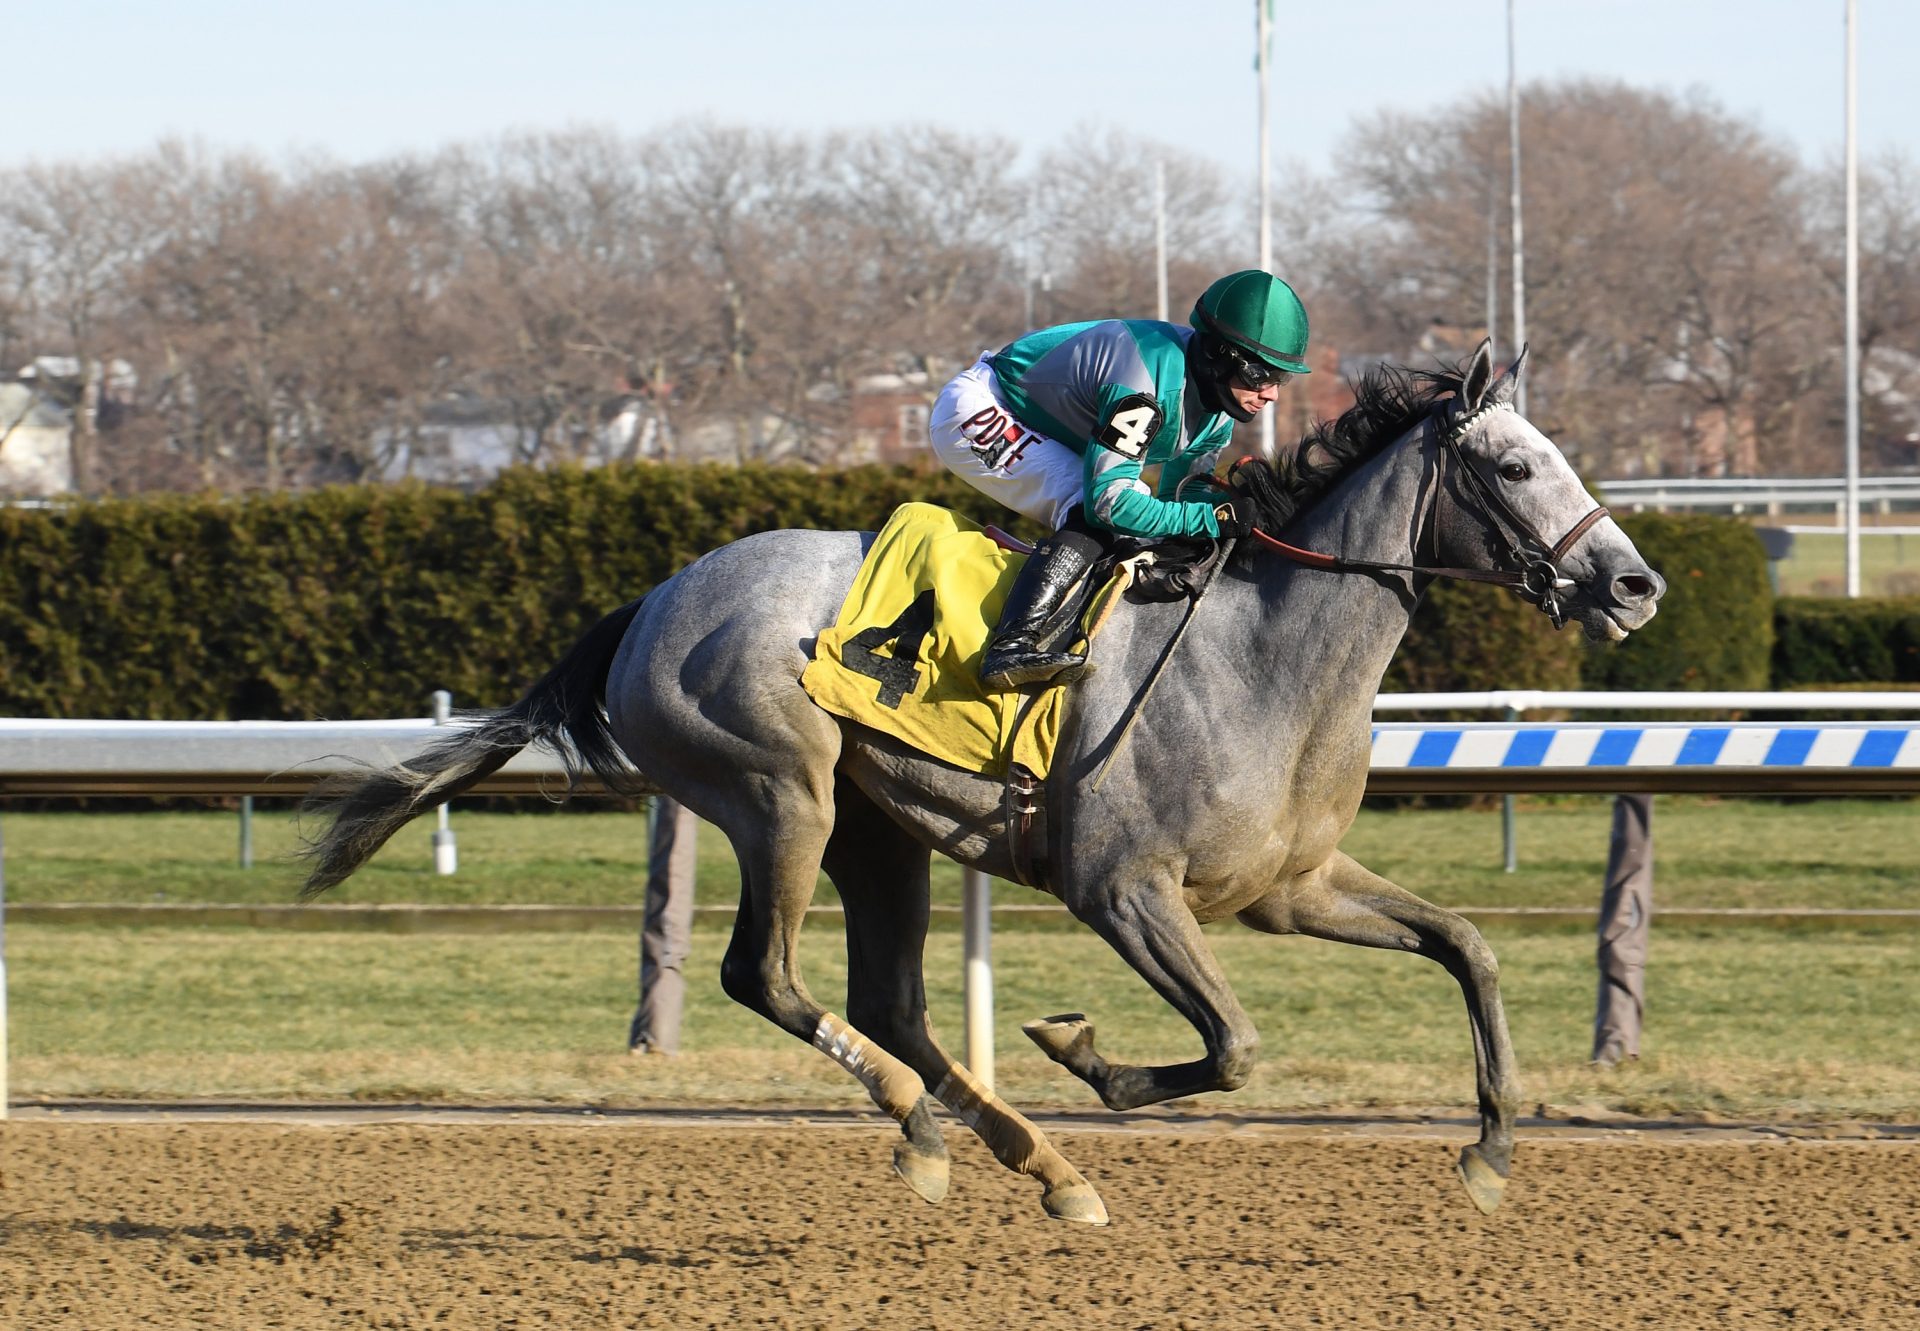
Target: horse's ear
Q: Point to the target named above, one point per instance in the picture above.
(1473, 385)
(1508, 383)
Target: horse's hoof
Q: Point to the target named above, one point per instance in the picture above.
(1485, 1186)
(1064, 1038)
(1077, 1202)
(925, 1174)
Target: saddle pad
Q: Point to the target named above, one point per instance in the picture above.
(904, 655)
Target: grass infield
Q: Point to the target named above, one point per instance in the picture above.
(1830, 854)
(1742, 1022)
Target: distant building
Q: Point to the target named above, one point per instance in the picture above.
(36, 443)
(466, 440)
(890, 414)
(1890, 380)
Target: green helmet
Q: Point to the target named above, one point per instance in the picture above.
(1258, 313)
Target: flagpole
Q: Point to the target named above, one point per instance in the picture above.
(1853, 306)
(1519, 247)
(1263, 31)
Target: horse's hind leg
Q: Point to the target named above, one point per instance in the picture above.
(780, 850)
(1350, 904)
(881, 873)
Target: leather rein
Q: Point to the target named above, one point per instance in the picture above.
(1530, 564)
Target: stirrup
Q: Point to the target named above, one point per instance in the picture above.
(1017, 666)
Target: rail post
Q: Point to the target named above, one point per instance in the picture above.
(3, 976)
(446, 855)
(977, 913)
(246, 831)
(1510, 857)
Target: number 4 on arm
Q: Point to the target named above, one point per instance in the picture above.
(1131, 427)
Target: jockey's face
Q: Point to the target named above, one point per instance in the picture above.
(1250, 400)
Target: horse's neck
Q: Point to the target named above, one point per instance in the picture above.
(1339, 631)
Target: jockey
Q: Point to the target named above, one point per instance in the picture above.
(1058, 425)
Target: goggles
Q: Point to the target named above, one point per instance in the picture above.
(1250, 372)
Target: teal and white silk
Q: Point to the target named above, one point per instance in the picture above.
(1117, 393)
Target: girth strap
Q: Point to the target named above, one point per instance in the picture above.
(1026, 813)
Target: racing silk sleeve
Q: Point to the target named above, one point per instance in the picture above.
(1122, 445)
(1115, 391)
(1197, 463)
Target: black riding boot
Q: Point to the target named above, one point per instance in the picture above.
(1035, 605)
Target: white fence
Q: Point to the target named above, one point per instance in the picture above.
(1758, 494)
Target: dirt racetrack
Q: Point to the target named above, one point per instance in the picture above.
(530, 1224)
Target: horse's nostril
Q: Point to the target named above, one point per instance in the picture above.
(1633, 587)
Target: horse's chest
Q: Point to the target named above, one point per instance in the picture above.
(1236, 853)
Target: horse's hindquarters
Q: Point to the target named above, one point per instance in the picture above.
(704, 695)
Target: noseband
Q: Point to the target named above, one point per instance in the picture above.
(1529, 565)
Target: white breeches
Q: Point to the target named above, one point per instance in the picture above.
(975, 435)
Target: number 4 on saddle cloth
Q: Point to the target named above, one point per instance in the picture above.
(904, 656)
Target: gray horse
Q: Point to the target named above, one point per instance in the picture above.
(1243, 768)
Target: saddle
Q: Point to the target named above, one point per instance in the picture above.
(903, 655)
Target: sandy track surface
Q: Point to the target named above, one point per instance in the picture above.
(215, 1224)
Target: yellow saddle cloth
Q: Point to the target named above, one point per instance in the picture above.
(904, 656)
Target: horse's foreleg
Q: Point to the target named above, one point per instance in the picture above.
(881, 873)
(1155, 933)
(780, 852)
(1350, 904)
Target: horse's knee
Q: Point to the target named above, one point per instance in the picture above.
(1234, 1065)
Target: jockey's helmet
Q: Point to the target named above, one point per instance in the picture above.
(1249, 327)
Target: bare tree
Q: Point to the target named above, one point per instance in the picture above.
(300, 321)
(930, 218)
(293, 313)
(1889, 305)
(1094, 216)
(70, 234)
(1668, 278)
(555, 248)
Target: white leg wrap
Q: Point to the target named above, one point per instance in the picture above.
(962, 1092)
(892, 1084)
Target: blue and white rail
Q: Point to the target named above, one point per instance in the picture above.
(1835, 757)
(1745, 757)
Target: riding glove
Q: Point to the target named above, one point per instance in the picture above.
(1234, 517)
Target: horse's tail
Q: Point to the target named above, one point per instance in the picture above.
(564, 711)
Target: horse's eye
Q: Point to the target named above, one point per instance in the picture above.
(1514, 472)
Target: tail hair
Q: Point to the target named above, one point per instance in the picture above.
(565, 711)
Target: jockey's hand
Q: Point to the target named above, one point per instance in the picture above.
(1234, 516)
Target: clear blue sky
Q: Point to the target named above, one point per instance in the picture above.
(360, 80)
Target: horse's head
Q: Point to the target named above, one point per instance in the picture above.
(1512, 502)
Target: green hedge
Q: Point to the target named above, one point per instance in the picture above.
(358, 601)
(1827, 640)
(1468, 637)
(1715, 626)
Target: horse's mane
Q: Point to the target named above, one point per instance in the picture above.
(1389, 400)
